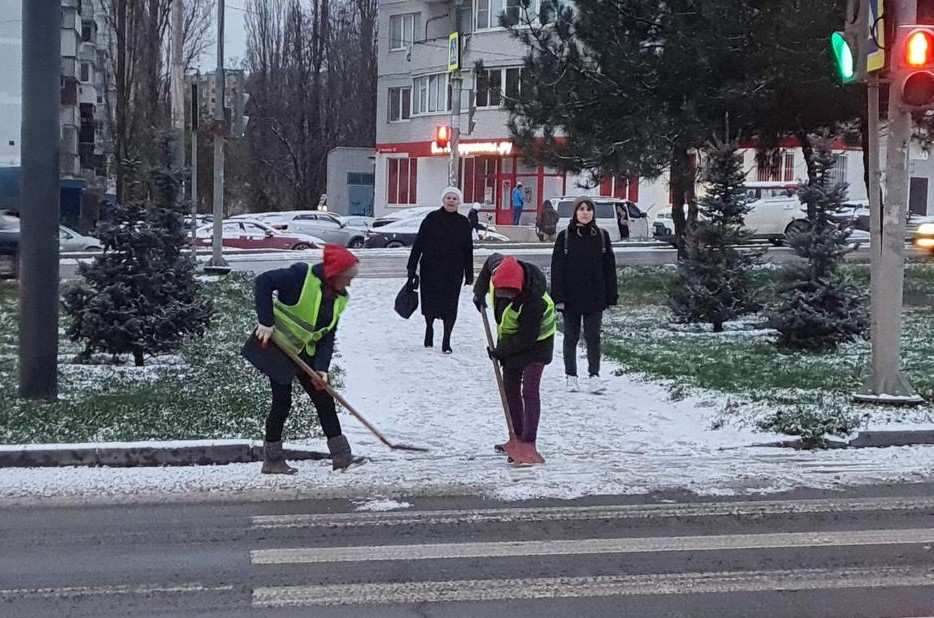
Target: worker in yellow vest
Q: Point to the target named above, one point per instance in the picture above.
(303, 304)
(525, 318)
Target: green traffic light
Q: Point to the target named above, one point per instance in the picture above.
(844, 57)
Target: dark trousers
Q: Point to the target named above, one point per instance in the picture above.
(282, 405)
(448, 322)
(516, 215)
(525, 404)
(572, 334)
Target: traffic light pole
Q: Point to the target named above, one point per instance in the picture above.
(38, 251)
(887, 383)
(217, 263)
(454, 162)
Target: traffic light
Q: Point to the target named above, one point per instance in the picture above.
(443, 137)
(914, 79)
(859, 49)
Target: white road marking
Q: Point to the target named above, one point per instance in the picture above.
(582, 587)
(641, 511)
(504, 549)
(90, 591)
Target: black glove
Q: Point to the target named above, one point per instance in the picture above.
(492, 353)
(480, 303)
(413, 281)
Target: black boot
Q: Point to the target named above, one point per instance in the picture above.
(274, 460)
(341, 457)
(429, 335)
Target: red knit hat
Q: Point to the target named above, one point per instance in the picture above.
(509, 275)
(337, 259)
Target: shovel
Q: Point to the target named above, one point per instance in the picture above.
(499, 376)
(322, 385)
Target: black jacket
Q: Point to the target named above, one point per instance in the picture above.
(584, 278)
(443, 257)
(524, 348)
(288, 283)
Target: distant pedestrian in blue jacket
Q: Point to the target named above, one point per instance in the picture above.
(518, 201)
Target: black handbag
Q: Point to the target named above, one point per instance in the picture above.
(406, 301)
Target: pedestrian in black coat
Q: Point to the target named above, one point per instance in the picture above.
(441, 263)
(583, 285)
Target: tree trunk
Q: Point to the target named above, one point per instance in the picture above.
(808, 149)
(138, 357)
(680, 164)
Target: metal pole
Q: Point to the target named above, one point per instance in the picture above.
(178, 85)
(454, 161)
(38, 252)
(875, 231)
(217, 262)
(888, 270)
(194, 167)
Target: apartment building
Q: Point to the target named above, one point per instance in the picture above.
(415, 98)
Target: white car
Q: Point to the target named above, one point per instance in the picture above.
(775, 211)
(609, 212)
(319, 224)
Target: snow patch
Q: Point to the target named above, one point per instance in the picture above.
(381, 505)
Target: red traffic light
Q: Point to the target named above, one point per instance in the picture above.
(443, 137)
(919, 49)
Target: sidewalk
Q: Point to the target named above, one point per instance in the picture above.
(633, 439)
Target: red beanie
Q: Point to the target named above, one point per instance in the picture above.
(509, 274)
(337, 259)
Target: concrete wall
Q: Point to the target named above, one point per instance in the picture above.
(11, 60)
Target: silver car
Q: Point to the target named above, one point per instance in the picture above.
(70, 241)
(323, 225)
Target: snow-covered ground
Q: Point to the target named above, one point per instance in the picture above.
(632, 439)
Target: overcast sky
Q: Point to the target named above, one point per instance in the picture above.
(234, 38)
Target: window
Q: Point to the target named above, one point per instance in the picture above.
(402, 179)
(488, 12)
(789, 166)
(85, 72)
(400, 104)
(401, 31)
(432, 94)
(838, 174)
(490, 83)
(87, 31)
(479, 179)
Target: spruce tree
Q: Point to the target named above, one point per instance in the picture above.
(713, 282)
(818, 307)
(140, 296)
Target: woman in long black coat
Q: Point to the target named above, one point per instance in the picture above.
(441, 262)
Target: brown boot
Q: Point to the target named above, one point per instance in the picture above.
(341, 457)
(274, 460)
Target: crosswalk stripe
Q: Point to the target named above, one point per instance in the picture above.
(641, 511)
(84, 591)
(367, 553)
(578, 587)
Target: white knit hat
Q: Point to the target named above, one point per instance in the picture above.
(455, 191)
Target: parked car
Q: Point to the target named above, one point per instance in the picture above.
(609, 210)
(70, 241)
(405, 213)
(488, 233)
(323, 225)
(247, 234)
(357, 222)
(395, 234)
(923, 235)
(9, 246)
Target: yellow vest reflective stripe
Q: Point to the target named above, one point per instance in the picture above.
(297, 322)
(509, 322)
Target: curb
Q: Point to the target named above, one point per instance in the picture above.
(142, 455)
(879, 439)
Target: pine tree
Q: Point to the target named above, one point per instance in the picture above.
(819, 308)
(140, 296)
(713, 282)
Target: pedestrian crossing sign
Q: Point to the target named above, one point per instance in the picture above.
(454, 52)
(875, 35)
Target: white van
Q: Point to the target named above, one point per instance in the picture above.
(609, 212)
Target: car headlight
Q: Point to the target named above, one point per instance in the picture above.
(926, 229)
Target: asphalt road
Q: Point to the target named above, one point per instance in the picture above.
(392, 262)
(859, 553)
